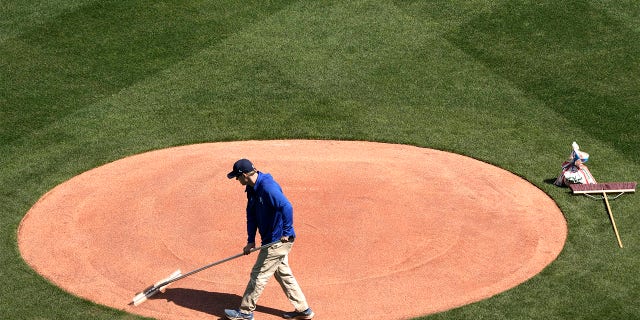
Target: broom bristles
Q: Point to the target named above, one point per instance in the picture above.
(155, 288)
(604, 187)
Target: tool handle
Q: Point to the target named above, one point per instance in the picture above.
(214, 264)
(613, 222)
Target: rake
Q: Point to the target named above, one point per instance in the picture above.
(161, 285)
(604, 189)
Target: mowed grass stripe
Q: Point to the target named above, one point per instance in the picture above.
(98, 49)
(574, 57)
(408, 72)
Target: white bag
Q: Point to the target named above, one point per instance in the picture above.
(574, 171)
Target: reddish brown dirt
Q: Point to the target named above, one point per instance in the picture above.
(387, 231)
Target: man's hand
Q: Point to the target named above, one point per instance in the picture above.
(284, 239)
(248, 247)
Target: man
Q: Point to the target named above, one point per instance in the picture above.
(270, 213)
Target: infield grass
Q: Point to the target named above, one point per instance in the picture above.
(511, 83)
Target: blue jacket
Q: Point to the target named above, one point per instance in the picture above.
(268, 211)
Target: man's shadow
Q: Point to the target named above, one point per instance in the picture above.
(212, 303)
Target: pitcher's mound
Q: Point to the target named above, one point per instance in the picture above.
(384, 231)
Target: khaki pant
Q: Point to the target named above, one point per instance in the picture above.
(273, 261)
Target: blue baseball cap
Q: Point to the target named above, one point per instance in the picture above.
(241, 166)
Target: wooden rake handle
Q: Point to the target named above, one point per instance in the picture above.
(613, 221)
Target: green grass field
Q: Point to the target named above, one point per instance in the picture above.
(511, 83)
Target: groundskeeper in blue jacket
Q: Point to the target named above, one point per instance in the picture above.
(270, 213)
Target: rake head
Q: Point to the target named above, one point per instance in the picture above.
(610, 187)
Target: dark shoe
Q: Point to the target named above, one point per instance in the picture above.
(237, 315)
(297, 315)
